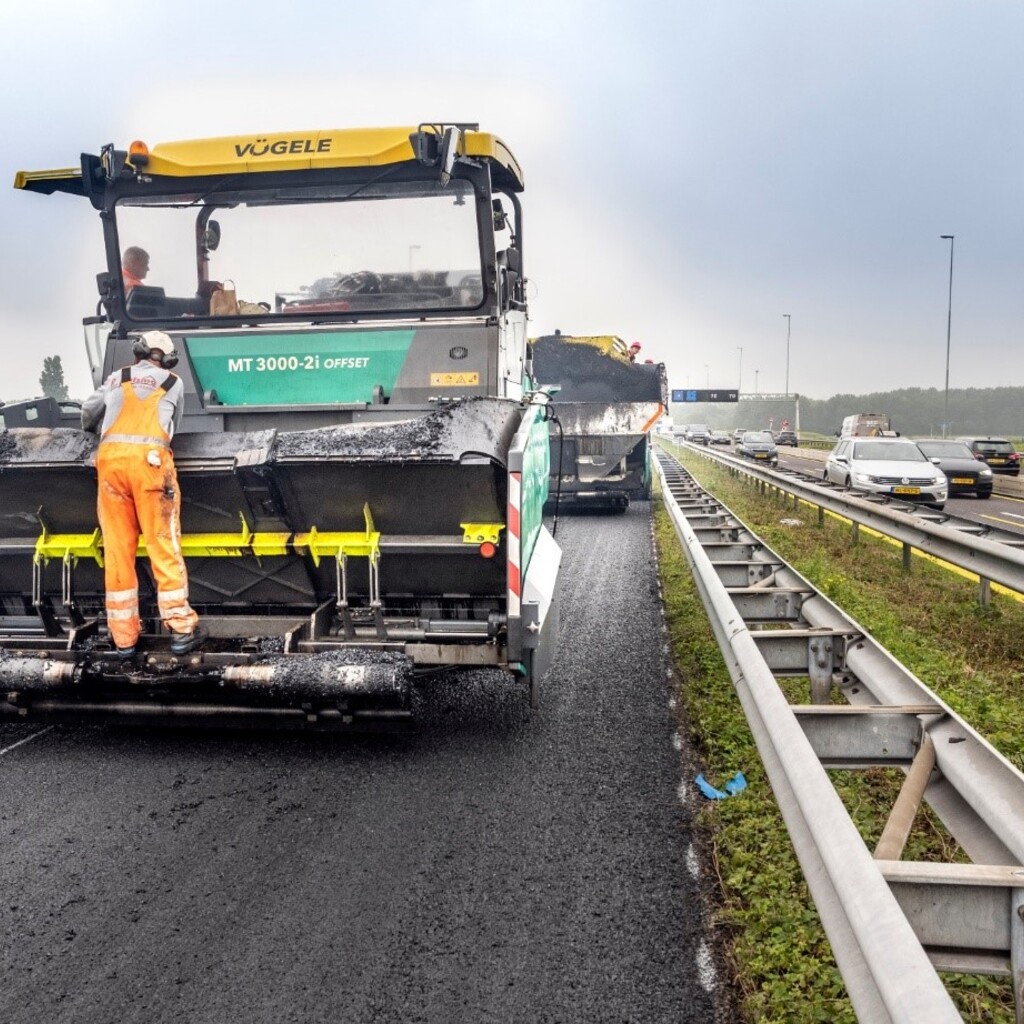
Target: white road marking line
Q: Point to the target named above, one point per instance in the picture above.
(706, 967)
(683, 792)
(27, 739)
(1000, 519)
(692, 862)
(677, 741)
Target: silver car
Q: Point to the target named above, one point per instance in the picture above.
(887, 465)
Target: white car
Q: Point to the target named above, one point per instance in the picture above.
(887, 465)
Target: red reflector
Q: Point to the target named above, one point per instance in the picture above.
(487, 549)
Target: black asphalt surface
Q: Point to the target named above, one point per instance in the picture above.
(498, 865)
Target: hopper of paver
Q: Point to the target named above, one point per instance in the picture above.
(363, 461)
(605, 407)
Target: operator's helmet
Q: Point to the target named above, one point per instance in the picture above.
(635, 347)
(160, 340)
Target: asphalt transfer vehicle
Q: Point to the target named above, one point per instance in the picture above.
(604, 405)
(965, 473)
(758, 445)
(892, 466)
(363, 457)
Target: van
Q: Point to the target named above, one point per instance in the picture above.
(867, 424)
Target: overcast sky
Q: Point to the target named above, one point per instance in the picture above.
(694, 170)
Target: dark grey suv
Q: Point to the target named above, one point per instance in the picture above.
(997, 452)
(966, 473)
(759, 445)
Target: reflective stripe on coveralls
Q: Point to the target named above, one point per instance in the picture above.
(138, 492)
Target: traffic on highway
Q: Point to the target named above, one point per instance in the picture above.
(970, 485)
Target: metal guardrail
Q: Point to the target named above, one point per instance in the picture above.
(891, 923)
(915, 527)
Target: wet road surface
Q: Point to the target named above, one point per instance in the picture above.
(498, 865)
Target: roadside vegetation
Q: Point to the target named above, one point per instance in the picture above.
(930, 620)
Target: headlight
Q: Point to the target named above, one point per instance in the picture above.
(985, 472)
(863, 478)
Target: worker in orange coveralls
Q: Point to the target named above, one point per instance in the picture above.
(136, 412)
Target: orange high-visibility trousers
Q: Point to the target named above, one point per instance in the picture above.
(138, 493)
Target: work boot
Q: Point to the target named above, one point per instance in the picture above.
(182, 643)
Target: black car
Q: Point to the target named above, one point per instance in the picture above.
(1000, 455)
(965, 473)
(787, 437)
(759, 445)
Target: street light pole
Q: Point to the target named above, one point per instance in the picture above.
(789, 324)
(756, 372)
(707, 376)
(949, 329)
(739, 390)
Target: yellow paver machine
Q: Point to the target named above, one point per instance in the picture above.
(363, 457)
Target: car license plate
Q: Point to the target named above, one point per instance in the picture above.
(997, 462)
(760, 455)
(906, 490)
(961, 480)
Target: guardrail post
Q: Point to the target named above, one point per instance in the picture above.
(855, 532)
(821, 515)
(819, 669)
(907, 551)
(1017, 951)
(984, 590)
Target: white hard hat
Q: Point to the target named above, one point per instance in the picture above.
(158, 339)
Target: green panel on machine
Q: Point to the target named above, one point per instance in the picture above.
(536, 474)
(298, 369)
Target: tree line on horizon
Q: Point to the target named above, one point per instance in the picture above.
(913, 411)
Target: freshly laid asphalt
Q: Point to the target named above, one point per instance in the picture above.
(500, 864)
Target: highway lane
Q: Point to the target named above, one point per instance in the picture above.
(498, 865)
